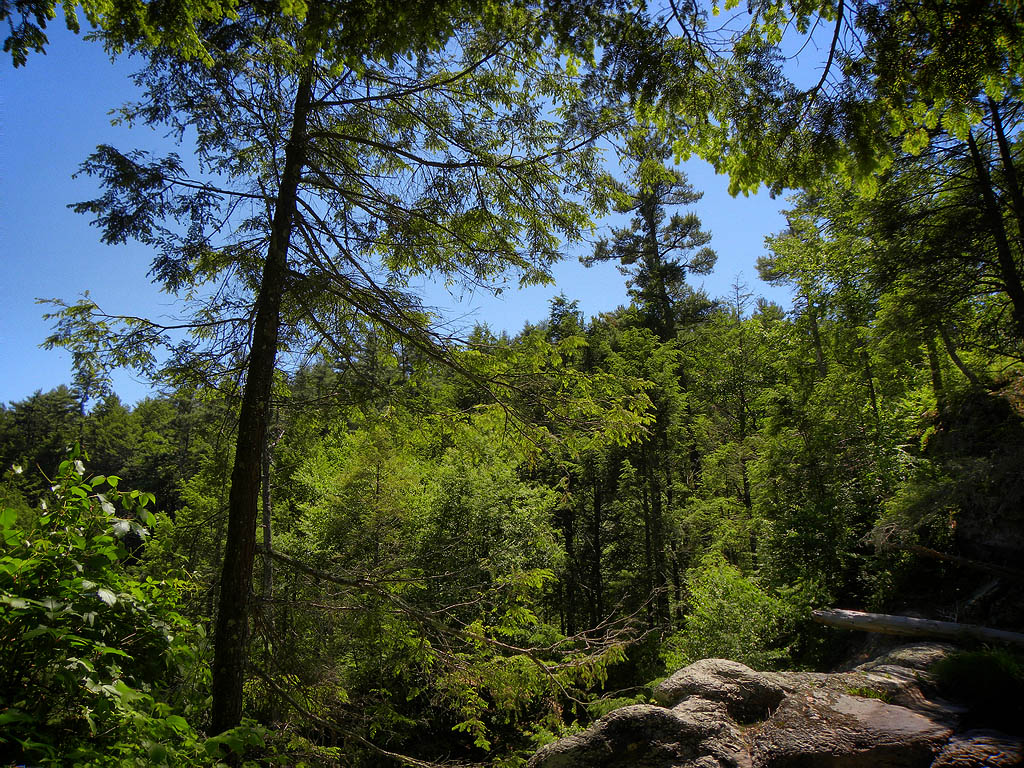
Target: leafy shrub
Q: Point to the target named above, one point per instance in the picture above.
(97, 667)
(730, 617)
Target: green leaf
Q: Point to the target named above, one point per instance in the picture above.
(158, 754)
(178, 723)
(13, 715)
(106, 596)
(106, 650)
(126, 692)
(40, 629)
(229, 739)
(52, 604)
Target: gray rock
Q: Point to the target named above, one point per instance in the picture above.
(916, 656)
(693, 735)
(981, 749)
(826, 728)
(895, 677)
(722, 714)
(747, 695)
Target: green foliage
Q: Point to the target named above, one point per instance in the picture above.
(377, 29)
(450, 589)
(35, 434)
(657, 250)
(959, 483)
(602, 706)
(461, 539)
(428, 634)
(923, 511)
(150, 24)
(98, 666)
(730, 616)
(890, 71)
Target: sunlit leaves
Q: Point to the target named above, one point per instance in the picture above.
(439, 160)
(456, 551)
(890, 70)
(92, 654)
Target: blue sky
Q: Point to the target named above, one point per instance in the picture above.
(54, 112)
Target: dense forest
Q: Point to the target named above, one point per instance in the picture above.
(338, 534)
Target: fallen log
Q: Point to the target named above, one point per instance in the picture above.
(908, 626)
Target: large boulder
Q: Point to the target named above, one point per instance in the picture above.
(697, 733)
(746, 694)
(721, 714)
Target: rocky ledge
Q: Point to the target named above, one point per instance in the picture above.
(722, 714)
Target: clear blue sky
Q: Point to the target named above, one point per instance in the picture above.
(54, 112)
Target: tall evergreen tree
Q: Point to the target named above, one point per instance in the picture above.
(344, 161)
(658, 249)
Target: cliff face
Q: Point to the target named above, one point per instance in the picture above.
(721, 714)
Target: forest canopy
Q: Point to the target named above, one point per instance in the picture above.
(341, 534)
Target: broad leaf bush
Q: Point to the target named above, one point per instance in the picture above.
(98, 666)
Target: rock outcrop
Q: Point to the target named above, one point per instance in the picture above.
(722, 714)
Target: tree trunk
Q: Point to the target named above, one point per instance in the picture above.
(571, 569)
(694, 461)
(658, 547)
(819, 351)
(869, 378)
(951, 351)
(1009, 171)
(999, 570)
(595, 564)
(677, 586)
(268, 566)
(1007, 267)
(232, 628)
(936, 371)
(911, 627)
(648, 559)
